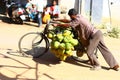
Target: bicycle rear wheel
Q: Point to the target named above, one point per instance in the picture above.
(84, 58)
(33, 45)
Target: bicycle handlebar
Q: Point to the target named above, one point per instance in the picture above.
(48, 24)
(51, 22)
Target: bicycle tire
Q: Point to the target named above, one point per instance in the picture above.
(79, 59)
(40, 42)
(28, 49)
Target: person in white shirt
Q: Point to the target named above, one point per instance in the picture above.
(40, 6)
(28, 6)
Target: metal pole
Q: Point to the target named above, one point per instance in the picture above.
(78, 6)
(80, 2)
(109, 12)
(91, 1)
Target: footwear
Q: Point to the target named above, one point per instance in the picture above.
(116, 68)
(31, 20)
(95, 68)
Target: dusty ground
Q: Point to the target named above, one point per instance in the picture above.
(47, 67)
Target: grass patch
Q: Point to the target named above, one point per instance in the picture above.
(112, 31)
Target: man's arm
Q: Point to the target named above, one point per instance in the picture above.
(62, 20)
(65, 25)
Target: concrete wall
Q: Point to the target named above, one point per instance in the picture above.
(101, 13)
(67, 3)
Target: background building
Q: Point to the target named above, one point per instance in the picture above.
(97, 11)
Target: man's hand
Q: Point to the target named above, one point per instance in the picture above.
(55, 25)
(54, 19)
(61, 20)
(85, 43)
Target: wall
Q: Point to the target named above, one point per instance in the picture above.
(67, 3)
(101, 13)
(114, 12)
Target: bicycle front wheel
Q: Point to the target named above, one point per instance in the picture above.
(33, 44)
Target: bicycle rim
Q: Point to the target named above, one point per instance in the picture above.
(27, 47)
(84, 58)
(40, 45)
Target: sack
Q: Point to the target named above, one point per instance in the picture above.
(79, 53)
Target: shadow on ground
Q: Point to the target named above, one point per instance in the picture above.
(49, 58)
(6, 19)
(3, 77)
(46, 59)
(18, 76)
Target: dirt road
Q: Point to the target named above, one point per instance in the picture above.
(47, 67)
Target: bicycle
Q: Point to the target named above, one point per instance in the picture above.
(30, 43)
(37, 44)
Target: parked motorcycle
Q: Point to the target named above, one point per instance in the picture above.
(17, 13)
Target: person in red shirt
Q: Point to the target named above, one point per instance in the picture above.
(55, 10)
(91, 38)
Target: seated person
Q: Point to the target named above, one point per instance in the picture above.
(46, 14)
(33, 12)
(55, 10)
(28, 6)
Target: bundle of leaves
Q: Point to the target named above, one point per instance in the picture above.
(114, 32)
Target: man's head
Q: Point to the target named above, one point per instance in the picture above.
(54, 3)
(28, 0)
(72, 13)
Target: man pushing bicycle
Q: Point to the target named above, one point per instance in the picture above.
(90, 38)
